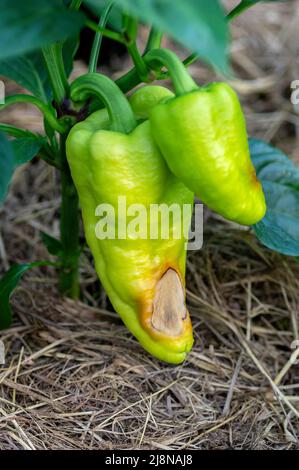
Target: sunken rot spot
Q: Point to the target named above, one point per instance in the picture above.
(169, 308)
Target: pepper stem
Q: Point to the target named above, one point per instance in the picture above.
(97, 42)
(120, 113)
(69, 229)
(182, 81)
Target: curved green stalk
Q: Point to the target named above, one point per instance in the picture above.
(94, 56)
(44, 108)
(188, 61)
(105, 32)
(182, 81)
(120, 113)
(176, 69)
(131, 78)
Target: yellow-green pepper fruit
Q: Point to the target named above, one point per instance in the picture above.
(144, 100)
(202, 136)
(144, 278)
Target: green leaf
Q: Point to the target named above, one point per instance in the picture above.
(6, 165)
(274, 236)
(69, 50)
(32, 24)
(53, 245)
(30, 72)
(279, 229)
(7, 285)
(196, 24)
(26, 148)
(14, 131)
(16, 152)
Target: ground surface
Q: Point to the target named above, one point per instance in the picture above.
(75, 378)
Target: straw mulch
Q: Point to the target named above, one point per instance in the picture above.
(75, 378)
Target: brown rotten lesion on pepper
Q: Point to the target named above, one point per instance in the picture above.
(164, 312)
(169, 308)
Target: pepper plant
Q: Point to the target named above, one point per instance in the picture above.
(87, 121)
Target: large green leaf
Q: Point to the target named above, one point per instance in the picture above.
(16, 152)
(279, 229)
(30, 72)
(196, 24)
(6, 164)
(31, 24)
(26, 148)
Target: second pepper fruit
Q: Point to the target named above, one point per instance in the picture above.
(202, 136)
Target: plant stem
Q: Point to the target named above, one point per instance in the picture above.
(69, 229)
(94, 56)
(242, 6)
(105, 32)
(56, 71)
(190, 59)
(121, 116)
(130, 35)
(154, 40)
(69, 218)
(75, 4)
(131, 79)
(182, 81)
(128, 81)
(140, 66)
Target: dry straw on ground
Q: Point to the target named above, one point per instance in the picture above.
(75, 378)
